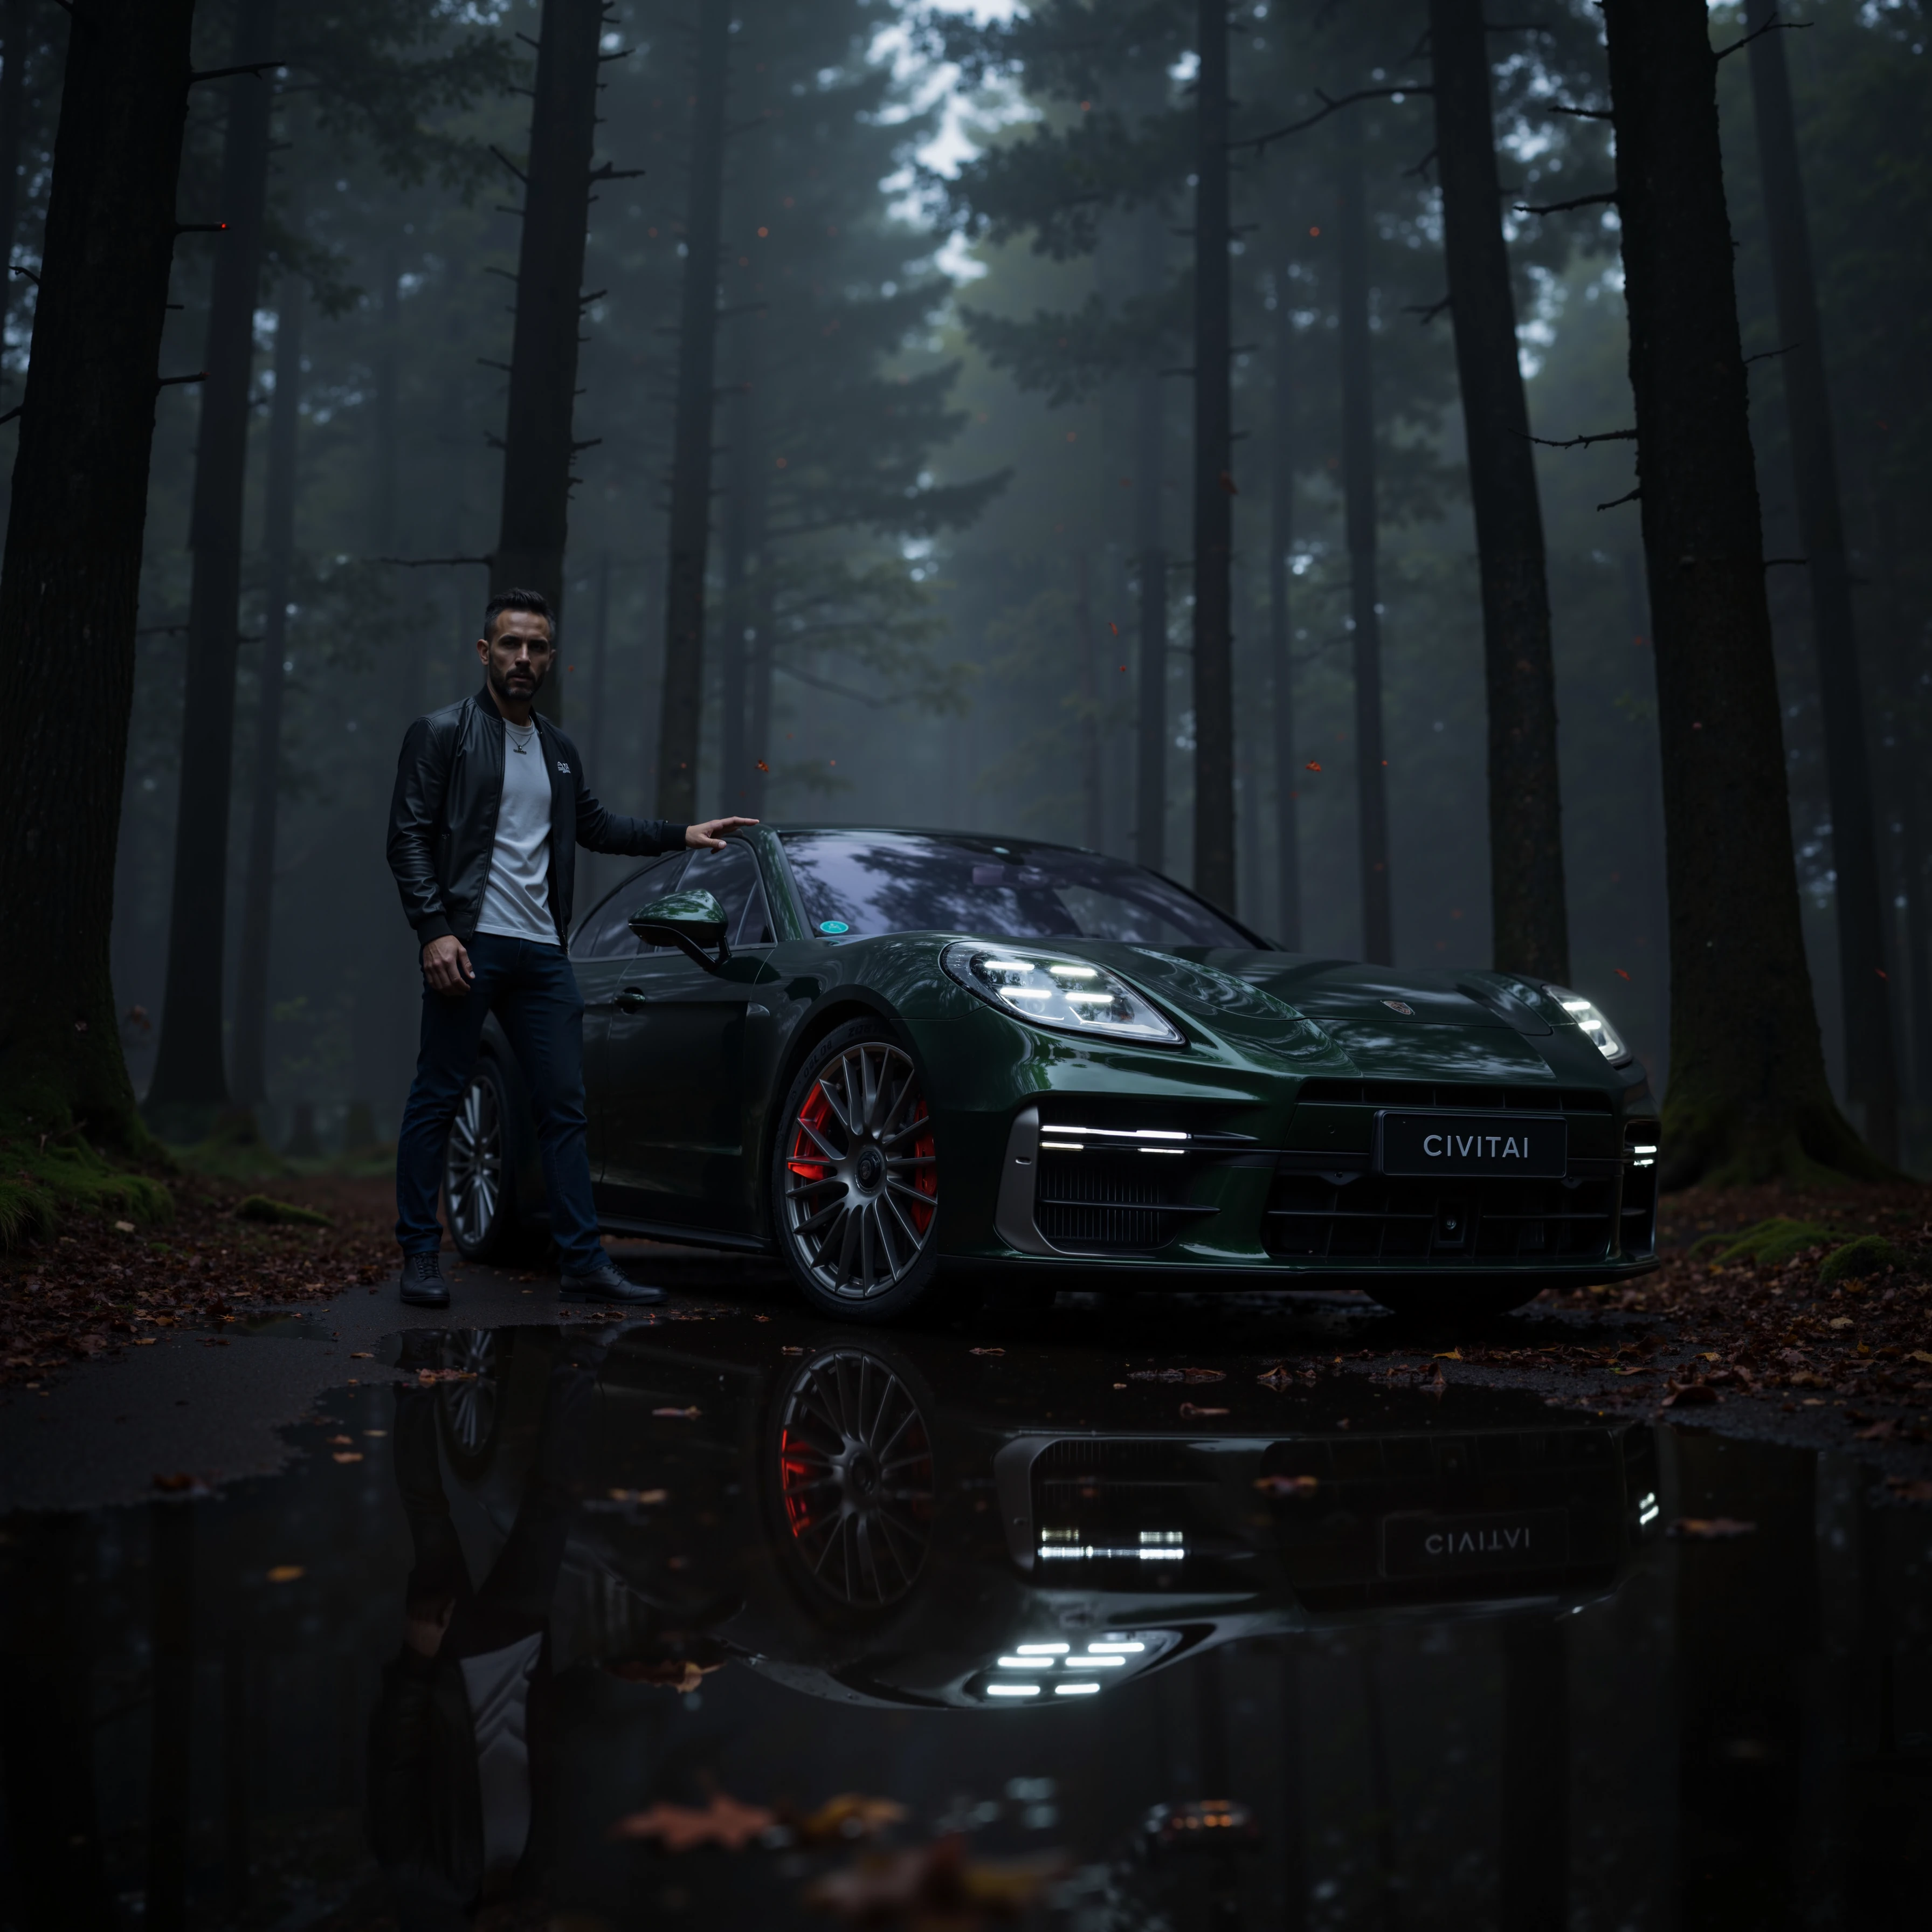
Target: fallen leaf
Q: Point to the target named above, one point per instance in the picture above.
(344, 1440)
(1178, 1375)
(1879, 1432)
(175, 1485)
(1711, 1528)
(348, 1455)
(145, 1341)
(1276, 1378)
(725, 1821)
(637, 1495)
(1188, 1408)
(287, 1572)
(362, 1355)
(1919, 1355)
(682, 1415)
(790, 1349)
(1452, 1355)
(124, 1227)
(849, 1815)
(1839, 1321)
(1910, 1489)
(985, 1352)
(1287, 1485)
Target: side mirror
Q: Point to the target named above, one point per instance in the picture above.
(689, 921)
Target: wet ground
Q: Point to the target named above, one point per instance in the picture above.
(1123, 1616)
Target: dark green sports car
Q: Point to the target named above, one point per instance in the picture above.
(891, 1056)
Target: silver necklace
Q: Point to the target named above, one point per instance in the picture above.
(522, 744)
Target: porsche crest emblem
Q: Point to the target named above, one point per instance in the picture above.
(1400, 1007)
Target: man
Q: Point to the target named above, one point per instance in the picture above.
(490, 806)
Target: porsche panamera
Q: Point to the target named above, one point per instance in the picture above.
(898, 1060)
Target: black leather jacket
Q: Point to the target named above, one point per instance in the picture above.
(442, 819)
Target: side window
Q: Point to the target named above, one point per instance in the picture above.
(606, 934)
(731, 876)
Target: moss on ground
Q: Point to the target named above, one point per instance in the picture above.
(44, 1176)
(282, 1214)
(1859, 1260)
(1769, 1243)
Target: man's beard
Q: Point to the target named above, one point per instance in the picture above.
(501, 685)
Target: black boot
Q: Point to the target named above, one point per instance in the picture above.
(609, 1283)
(422, 1284)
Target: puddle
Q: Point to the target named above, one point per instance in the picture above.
(761, 1623)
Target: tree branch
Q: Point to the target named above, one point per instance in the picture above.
(430, 563)
(510, 164)
(1328, 107)
(166, 382)
(257, 68)
(1560, 207)
(1581, 113)
(1615, 500)
(1773, 26)
(1578, 441)
(1431, 312)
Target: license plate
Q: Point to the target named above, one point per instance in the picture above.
(1531, 1147)
(1423, 1545)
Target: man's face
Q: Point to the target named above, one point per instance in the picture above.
(517, 654)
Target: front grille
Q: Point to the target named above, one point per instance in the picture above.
(1376, 1217)
(1098, 1201)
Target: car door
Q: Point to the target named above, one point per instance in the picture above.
(605, 954)
(676, 1059)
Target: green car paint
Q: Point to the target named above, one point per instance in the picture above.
(1287, 1062)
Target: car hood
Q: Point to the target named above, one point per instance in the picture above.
(1466, 1026)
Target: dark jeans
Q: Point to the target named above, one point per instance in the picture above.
(532, 991)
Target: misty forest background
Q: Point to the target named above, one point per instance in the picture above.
(949, 493)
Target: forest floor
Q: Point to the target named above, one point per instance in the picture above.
(1756, 1333)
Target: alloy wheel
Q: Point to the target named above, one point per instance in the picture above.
(469, 1402)
(855, 1460)
(473, 1169)
(861, 1192)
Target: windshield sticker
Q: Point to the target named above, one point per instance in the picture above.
(833, 926)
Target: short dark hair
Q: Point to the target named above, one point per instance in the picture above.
(534, 601)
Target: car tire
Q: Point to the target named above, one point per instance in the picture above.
(470, 1408)
(855, 1187)
(479, 1170)
(853, 1492)
(1463, 1302)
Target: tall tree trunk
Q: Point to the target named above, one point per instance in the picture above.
(13, 24)
(71, 582)
(538, 446)
(1213, 478)
(1529, 922)
(1092, 815)
(1150, 407)
(1747, 1100)
(189, 1083)
(681, 717)
(1361, 515)
(763, 615)
(744, 536)
(1281, 629)
(1871, 1077)
(258, 892)
(1915, 825)
(590, 864)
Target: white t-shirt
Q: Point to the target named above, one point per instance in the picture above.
(516, 901)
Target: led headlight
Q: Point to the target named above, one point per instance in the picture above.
(1599, 1031)
(1067, 995)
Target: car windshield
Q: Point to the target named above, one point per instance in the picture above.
(873, 882)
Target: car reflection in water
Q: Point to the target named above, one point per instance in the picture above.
(898, 1522)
